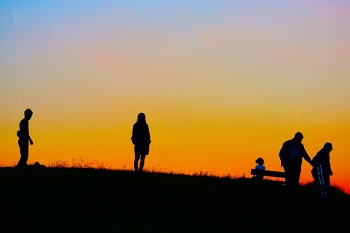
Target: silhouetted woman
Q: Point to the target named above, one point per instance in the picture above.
(141, 139)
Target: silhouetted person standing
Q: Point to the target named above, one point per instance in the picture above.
(291, 155)
(24, 138)
(141, 139)
(322, 159)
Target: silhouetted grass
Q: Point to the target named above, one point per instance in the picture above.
(78, 163)
(102, 200)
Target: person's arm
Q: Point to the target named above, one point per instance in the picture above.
(24, 128)
(306, 156)
(316, 160)
(283, 153)
(30, 139)
(132, 135)
(148, 135)
(330, 169)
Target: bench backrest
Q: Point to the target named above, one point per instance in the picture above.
(267, 173)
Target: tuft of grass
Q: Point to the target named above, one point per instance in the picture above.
(79, 163)
(58, 164)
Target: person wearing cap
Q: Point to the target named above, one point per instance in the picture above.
(291, 156)
(322, 159)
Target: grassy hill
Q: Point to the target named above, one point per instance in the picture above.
(93, 200)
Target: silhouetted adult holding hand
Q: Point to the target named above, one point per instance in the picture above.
(291, 155)
(141, 139)
(24, 138)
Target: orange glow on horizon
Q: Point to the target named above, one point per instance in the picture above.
(221, 83)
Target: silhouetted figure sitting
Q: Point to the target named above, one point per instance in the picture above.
(260, 166)
(141, 139)
(24, 138)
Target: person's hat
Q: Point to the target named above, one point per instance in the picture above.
(328, 146)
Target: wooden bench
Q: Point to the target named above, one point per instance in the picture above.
(268, 173)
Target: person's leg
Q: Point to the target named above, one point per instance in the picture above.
(136, 161)
(142, 162)
(315, 175)
(295, 181)
(288, 177)
(326, 179)
(292, 172)
(24, 151)
(295, 168)
(290, 184)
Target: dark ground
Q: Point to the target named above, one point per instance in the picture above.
(90, 200)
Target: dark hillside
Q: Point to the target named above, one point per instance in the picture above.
(89, 200)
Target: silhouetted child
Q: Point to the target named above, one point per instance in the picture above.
(260, 166)
(322, 159)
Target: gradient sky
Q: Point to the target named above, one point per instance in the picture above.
(221, 82)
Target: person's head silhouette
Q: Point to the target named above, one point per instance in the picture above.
(328, 146)
(28, 114)
(298, 137)
(260, 161)
(141, 118)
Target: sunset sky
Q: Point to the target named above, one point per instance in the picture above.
(221, 82)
